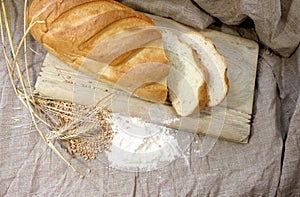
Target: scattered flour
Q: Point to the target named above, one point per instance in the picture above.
(141, 146)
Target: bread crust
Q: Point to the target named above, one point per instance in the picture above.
(202, 91)
(72, 29)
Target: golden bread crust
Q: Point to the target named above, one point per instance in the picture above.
(81, 33)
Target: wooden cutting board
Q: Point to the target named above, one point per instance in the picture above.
(230, 120)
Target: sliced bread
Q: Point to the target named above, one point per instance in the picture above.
(187, 78)
(215, 64)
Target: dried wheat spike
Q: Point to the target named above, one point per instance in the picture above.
(86, 130)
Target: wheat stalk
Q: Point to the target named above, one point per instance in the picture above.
(72, 124)
(24, 93)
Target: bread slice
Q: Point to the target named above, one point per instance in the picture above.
(187, 78)
(215, 64)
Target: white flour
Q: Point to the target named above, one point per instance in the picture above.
(141, 146)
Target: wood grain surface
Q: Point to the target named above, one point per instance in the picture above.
(230, 120)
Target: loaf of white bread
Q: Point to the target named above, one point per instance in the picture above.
(106, 40)
(122, 47)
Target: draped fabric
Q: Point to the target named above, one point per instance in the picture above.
(268, 166)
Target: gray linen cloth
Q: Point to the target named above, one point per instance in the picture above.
(268, 166)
